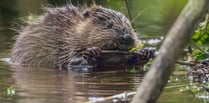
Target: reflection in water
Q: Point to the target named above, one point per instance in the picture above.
(39, 85)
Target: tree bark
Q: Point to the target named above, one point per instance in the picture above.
(178, 36)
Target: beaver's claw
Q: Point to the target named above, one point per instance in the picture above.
(94, 51)
(146, 53)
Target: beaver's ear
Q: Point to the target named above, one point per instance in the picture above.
(86, 14)
(96, 8)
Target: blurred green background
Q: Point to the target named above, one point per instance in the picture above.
(149, 17)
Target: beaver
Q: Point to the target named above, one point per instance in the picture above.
(72, 35)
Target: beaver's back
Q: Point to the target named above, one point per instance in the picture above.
(42, 41)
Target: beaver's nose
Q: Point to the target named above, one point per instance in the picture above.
(127, 39)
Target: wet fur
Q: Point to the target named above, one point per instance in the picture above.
(63, 34)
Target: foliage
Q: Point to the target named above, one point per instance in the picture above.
(199, 55)
(135, 49)
(10, 91)
(201, 35)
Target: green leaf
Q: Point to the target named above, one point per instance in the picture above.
(196, 52)
(138, 47)
(205, 36)
(196, 35)
(199, 42)
(200, 57)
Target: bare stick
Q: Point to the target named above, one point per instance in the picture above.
(129, 12)
(206, 21)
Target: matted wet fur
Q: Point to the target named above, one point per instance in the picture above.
(68, 35)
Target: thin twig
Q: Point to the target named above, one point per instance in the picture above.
(138, 14)
(117, 52)
(121, 95)
(185, 63)
(129, 12)
(206, 21)
(194, 44)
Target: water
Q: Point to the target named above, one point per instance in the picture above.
(41, 85)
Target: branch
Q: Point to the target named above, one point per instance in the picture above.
(177, 38)
(185, 63)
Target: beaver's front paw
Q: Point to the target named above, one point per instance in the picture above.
(79, 61)
(93, 51)
(146, 53)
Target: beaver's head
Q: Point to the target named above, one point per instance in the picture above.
(112, 28)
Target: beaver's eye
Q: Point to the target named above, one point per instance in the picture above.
(101, 18)
(108, 25)
(85, 14)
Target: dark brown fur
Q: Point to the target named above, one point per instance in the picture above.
(65, 36)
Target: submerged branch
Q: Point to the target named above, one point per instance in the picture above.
(117, 96)
(185, 63)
